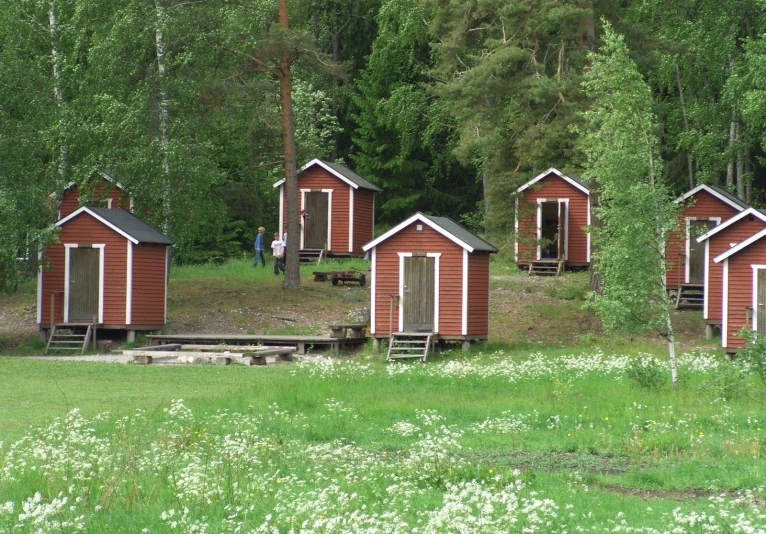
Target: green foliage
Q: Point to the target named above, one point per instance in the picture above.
(646, 373)
(753, 356)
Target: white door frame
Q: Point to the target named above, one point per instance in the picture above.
(436, 256)
(540, 202)
(687, 252)
(67, 259)
(329, 214)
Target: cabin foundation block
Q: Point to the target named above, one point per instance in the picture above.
(131, 338)
(466, 344)
(143, 360)
(376, 344)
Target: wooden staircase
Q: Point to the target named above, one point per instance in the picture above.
(71, 336)
(690, 297)
(409, 345)
(311, 256)
(546, 267)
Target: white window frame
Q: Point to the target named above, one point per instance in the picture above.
(687, 251)
(329, 214)
(540, 202)
(436, 256)
(67, 248)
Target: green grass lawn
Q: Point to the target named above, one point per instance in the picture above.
(489, 442)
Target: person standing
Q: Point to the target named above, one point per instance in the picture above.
(278, 251)
(259, 248)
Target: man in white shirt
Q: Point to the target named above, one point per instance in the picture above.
(278, 251)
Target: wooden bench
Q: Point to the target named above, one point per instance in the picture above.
(341, 331)
(253, 355)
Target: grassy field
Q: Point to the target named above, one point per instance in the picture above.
(552, 427)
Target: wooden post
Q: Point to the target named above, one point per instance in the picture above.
(94, 332)
(53, 306)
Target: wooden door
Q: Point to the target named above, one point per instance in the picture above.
(83, 284)
(562, 248)
(696, 259)
(315, 221)
(760, 303)
(418, 299)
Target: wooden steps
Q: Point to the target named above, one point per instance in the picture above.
(690, 297)
(409, 345)
(546, 267)
(71, 336)
(310, 256)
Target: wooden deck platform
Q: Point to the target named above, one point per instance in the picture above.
(300, 342)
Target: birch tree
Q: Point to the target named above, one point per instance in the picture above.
(635, 208)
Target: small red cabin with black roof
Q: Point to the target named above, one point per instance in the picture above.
(337, 208)
(430, 274)
(552, 212)
(108, 267)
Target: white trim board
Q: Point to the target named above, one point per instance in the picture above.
(425, 220)
(351, 220)
(558, 173)
(754, 290)
(738, 217)
(129, 286)
(725, 305)
(464, 303)
(373, 289)
(436, 256)
(708, 189)
(103, 221)
(744, 244)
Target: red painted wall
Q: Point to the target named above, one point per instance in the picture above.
(719, 244)
(363, 218)
(450, 277)
(701, 205)
(478, 294)
(553, 187)
(70, 201)
(740, 294)
(148, 302)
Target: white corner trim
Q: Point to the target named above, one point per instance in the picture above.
(129, 286)
(755, 268)
(100, 282)
(706, 289)
(329, 217)
(557, 173)
(425, 220)
(373, 289)
(587, 234)
(516, 231)
(167, 266)
(744, 244)
(436, 256)
(464, 314)
(40, 287)
(725, 314)
(351, 220)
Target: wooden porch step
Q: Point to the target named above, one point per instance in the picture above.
(311, 255)
(409, 345)
(690, 296)
(64, 336)
(546, 267)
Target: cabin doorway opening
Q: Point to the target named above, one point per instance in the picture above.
(552, 224)
(315, 223)
(84, 283)
(695, 259)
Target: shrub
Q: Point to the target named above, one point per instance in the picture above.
(646, 373)
(753, 356)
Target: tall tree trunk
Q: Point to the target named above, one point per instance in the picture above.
(740, 170)
(595, 222)
(749, 175)
(335, 56)
(587, 25)
(167, 188)
(730, 167)
(668, 321)
(58, 92)
(485, 191)
(292, 270)
(689, 162)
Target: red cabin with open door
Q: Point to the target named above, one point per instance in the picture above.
(337, 208)
(108, 267)
(430, 274)
(552, 211)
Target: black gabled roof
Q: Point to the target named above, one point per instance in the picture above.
(461, 232)
(131, 225)
(725, 193)
(352, 176)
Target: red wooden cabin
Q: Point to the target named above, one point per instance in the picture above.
(108, 265)
(552, 211)
(101, 191)
(337, 207)
(705, 207)
(430, 274)
(744, 290)
(717, 241)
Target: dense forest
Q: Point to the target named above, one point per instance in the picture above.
(448, 105)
